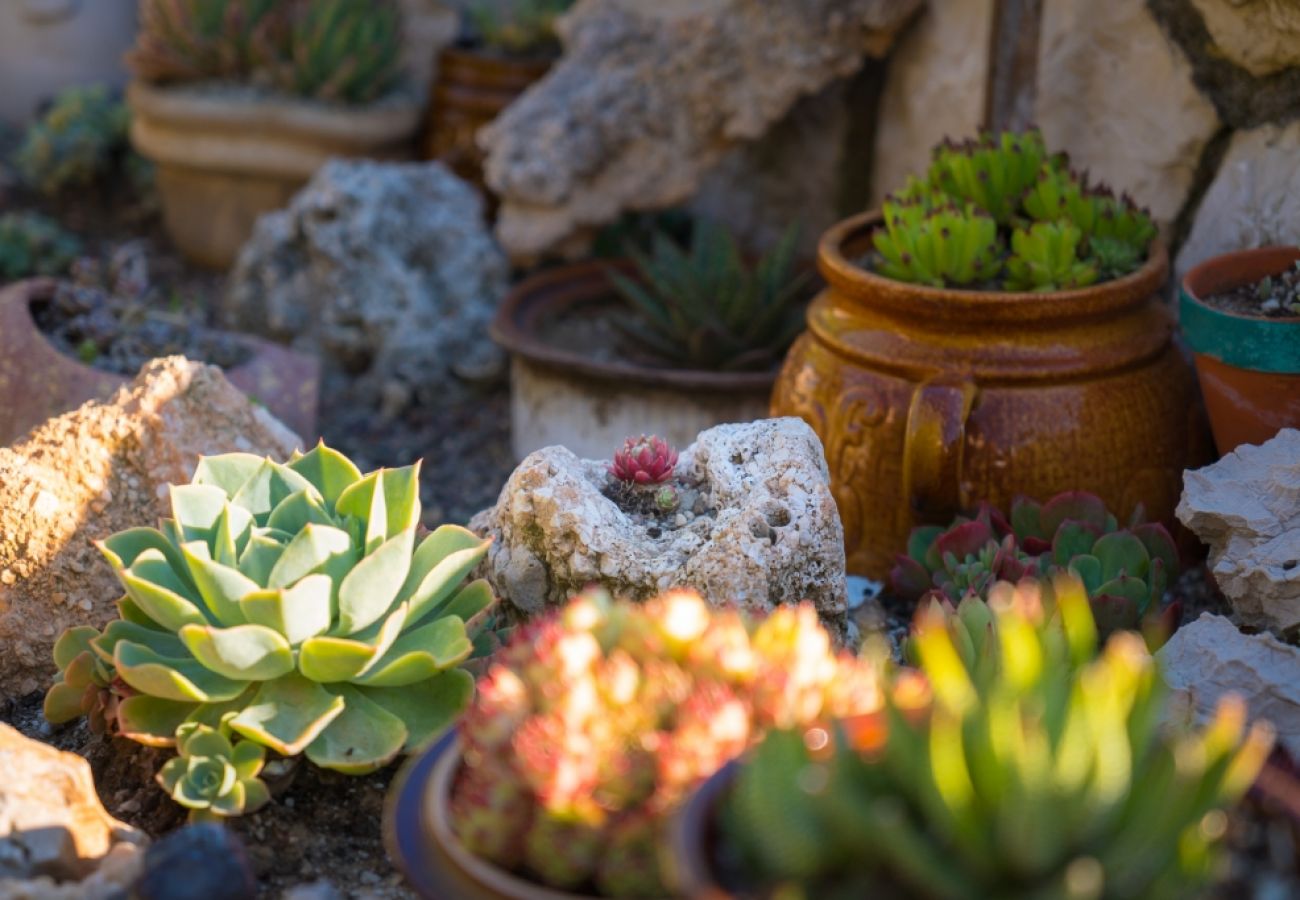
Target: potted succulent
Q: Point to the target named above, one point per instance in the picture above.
(996, 329)
(589, 729)
(503, 49)
(1024, 765)
(1240, 314)
(673, 341)
(238, 102)
(290, 608)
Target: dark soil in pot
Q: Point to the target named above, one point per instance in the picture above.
(1272, 297)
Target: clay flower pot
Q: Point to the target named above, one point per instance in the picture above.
(223, 159)
(565, 397)
(470, 89)
(421, 843)
(928, 401)
(1249, 366)
(38, 382)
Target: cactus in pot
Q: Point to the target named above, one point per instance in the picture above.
(293, 604)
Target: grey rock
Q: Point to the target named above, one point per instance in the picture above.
(199, 862)
(385, 268)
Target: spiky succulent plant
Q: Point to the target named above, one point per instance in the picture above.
(591, 727)
(212, 776)
(522, 27)
(1047, 772)
(644, 461)
(705, 307)
(77, 142)
(346, 51)
(1125, 570)
(293, 603)
(999, 212)
(33, 244)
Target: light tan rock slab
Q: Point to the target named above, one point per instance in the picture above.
(1261, 36)
(1246, 507)
(91, 472)
(772, 534)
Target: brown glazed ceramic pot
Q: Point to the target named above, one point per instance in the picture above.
(928, 400)
(470, 89)
(37, 382)
(1249, 366)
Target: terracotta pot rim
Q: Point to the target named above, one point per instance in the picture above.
(1255, 343)
(980, 307)
(472, 55)
(563, 286)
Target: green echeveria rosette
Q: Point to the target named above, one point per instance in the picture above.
(213, 777)
(293, 603)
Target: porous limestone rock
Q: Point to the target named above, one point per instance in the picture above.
(385, 268)
(1210, 657)
(650, 96)
(766, 530)
(1254, 199)
(1246, 507)
(1261, 36)
(56, 839)
(91, 472)
(1117, 94)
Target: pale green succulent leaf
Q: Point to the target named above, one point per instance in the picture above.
(160, 602)
(124, 548)
(181, 680)
(317, 548)
(63, 703)
(330, 471)
(161, 642)
(171, 774)
(242, 652)
(268, 487)
(151, 721)
(231, 802)
(248, 759)
(130, 611)
(439, 564)
(256, 794)
(428, 708)
(193, 739)
(364, 501)
(298, 613)
(72, 643)
(330, 659)
(196, 509)
(472, 605)
(229, 471)
(421, 654)
(287, 714)
(297, 511)
(228, 539)
(365, 737)
(369, 590)
(402, 499)
(221, 586)
(259, 558)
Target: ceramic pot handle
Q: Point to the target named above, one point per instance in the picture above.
(46, 12)
(932, 447)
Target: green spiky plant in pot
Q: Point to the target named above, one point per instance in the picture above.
(290, 608)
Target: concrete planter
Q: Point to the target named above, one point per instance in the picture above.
(49, 45)
(560, 397)
(224, 159)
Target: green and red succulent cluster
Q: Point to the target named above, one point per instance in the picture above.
(1125, 570)
(644, 461)
(999, 212)
(591, 727)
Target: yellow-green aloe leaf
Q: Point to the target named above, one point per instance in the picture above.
(364, 501)
(221, 586)
(369, 590)
(429, 708)
(72, 643)
(227, 471)
(317, 548)
(243, 653)
(402, 499)
(268, 487)
(182, 680)
(330, 471)
(151, 721)
(365, 737)
(196, 509)
(287, 714)
(161, 642)
(298, 510)
(421, 654)
(298, 613)
(331, 659)
(155, 590)
(259, 557)
(446, 557)
(471, 605)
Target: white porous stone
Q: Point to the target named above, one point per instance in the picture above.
(1261, 36)
(1210, 657)
(1246, 507)
(772, 535)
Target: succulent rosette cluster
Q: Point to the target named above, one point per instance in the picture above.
(644, 461)
(293, 604)
(592, 726)
(214, 777)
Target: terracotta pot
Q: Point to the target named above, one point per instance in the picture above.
(929, 401)
(470, 89)
(1249, 366)
(421, 843)
(38, 382)
(225, 159)
(562, 397)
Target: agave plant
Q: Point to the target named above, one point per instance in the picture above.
(1043, 771)
(1125, 570)
(705, 307)
(213, 777)
(294, 604)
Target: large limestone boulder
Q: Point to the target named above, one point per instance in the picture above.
(1210, 657)
(1254, 199)
(1247, 508)
(385, 268)
(56, 839)
(757, 526)
(650, 96)
(91, 472)
(1261, 36)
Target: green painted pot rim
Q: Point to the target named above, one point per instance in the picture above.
(1246, 342)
